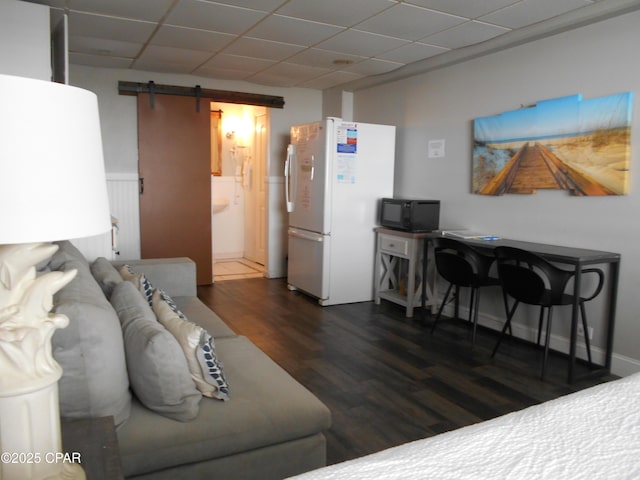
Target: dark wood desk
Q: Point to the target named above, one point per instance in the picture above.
(578, 258)
(95, 440)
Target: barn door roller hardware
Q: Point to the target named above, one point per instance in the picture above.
(226, 96)
(152, 89)
(198, 94)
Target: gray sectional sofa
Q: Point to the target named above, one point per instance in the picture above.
(120, 361)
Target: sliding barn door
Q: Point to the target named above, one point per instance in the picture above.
(175, 180)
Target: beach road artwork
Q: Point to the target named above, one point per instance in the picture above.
(583, 146)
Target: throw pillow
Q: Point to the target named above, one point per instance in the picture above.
(90, 349)
(158, 371)
(139, 280)
(197, 344)
(105, 274)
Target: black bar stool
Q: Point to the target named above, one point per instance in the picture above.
(462, 266)
(530, 279)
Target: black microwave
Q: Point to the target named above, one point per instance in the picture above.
(410, 215)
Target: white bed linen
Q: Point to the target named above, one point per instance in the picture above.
(592, 434)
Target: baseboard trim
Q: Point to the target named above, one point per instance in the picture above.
(620, 364)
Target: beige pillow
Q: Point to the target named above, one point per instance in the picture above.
(197, 344)
(139, 280)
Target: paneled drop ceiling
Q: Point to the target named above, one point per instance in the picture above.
(308, 43)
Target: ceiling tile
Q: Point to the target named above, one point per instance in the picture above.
(361, 43)
(334, 12)
(99, 26)
(245, 39)
(150, 10)
(288, 73)
(236, 62)
(191, 38)
(528, 12)
(293, 30)
(213, 16)
(221, 73)
(298, 73)
(409, 22)
(174, 58)
(271, 79)
(465, 8)
(412, 52)
(465, 35)
(164, 67)
(330, 80)
(261, 5)
(372, 66)
(99, 60)
(104, 47)
(258, 48)
(322, 58)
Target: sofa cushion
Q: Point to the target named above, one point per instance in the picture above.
(197, 344)
(176, 276)
(90, 349)
(157, 367)
(269, 407)
(106, 275)
(193, 308)
(67, 252)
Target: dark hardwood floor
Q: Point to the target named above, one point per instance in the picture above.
(386, 378)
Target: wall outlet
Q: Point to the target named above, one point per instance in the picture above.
(581, 331)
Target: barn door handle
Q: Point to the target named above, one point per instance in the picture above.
(141, 185)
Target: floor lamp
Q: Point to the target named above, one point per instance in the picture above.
(52, 187)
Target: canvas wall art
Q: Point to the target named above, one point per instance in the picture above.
(582, 146)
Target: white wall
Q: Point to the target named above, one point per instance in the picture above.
(25, 40)
(594, 61)
(119, 130)
(227, 225)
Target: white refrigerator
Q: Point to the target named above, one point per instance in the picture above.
(335, 173)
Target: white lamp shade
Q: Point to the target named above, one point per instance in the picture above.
(52, 178)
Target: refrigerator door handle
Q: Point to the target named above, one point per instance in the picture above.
(314, 237)
(290, 174)
(313, 167)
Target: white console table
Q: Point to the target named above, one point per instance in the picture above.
(399, 268)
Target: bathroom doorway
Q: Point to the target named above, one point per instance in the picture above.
(239, 138)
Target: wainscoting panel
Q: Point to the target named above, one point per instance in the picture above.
(123, 241)
(277, 222)
(95, 246)
(123, 198)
